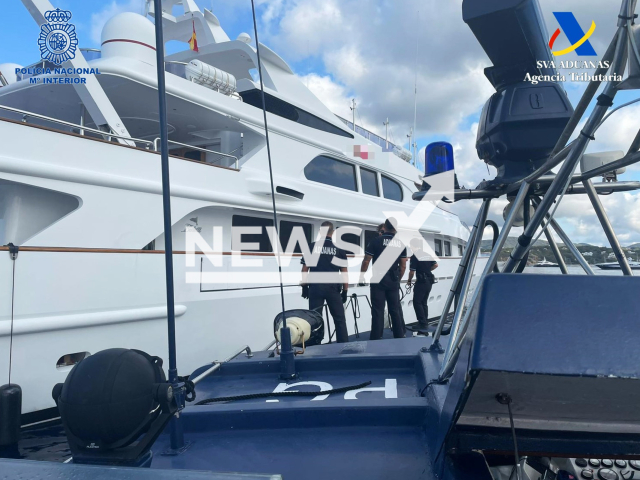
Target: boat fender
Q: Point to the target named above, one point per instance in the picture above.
(10, 411)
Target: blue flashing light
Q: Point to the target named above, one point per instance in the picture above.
(438, 158)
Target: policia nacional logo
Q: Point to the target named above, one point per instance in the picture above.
(58, 40)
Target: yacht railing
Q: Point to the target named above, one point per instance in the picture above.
(237, 160)
(386, 145)
(81, 128)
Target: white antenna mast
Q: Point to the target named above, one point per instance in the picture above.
(386, 134)
(414, 146)
(353, 110)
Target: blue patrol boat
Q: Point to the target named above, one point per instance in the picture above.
(534, 379)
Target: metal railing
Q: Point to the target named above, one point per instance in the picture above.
(81, 128)
(237, 160)
(217, 365)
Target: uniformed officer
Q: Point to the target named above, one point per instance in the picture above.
(422, 266)
(388, 289)
(334, 294)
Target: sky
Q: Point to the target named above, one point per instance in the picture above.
(366, 49)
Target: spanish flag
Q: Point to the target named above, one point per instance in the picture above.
(193, 41)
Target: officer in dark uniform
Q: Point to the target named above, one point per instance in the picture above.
(334, 294)
(388, 289)
(422, 266)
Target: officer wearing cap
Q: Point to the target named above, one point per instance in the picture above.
(387, 291)
(330, 259)
(422, 266)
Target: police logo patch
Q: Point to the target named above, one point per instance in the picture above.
(58, 40)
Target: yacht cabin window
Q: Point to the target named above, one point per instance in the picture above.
(369, 180)
(391, 189)
(332, 172)
(283, 109)
(352, 239)
(447, 249)
(286, 228)
(262, 238)
(460, 250)
(437, 247)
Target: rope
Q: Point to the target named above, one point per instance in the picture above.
(13, 250)
(252, 396)
(266, 133)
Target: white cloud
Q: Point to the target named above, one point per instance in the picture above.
(111, 9)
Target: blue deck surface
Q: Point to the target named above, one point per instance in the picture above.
(379, 434)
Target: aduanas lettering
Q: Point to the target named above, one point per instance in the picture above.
(392, 242)
(325, 250)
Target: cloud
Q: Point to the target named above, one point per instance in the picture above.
(111, 9)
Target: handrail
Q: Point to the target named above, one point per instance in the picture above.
(25, 114)
(237, 160)
(217, 365)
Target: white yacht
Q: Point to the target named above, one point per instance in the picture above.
(80, 197)
(545, 264)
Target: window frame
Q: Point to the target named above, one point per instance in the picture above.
(447, 248)
(377, 181)
(352, 165)
(275, 104)
(393, 180)
(267, 222)
(296, 223)
(438, 251)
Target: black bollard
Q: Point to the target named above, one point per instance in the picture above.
(10, 411)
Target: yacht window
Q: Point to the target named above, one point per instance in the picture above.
(391, 189)
(438, 247)
(369, 180)
(332, 172)
(286, 228)
(460, 250)
(352, 239)
(262, 238)
(285, 110)
(447, 249)
(368, 236)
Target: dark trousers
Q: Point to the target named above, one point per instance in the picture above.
(421, 292)
(381, 294)
(321, 293)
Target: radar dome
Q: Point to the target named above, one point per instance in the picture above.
(244, 37)
(129, 35)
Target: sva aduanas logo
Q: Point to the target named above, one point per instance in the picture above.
(58, 40)
(579, 40)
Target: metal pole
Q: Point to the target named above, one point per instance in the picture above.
(386, 133)
(462, 267)
(177, 437)
(473, 248)
(82, 114)
(606, 226)
(566, 171)
(454, 343)
(353, 112)
(556, 251)
(572, 248)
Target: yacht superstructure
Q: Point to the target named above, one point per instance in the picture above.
(80, 197)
